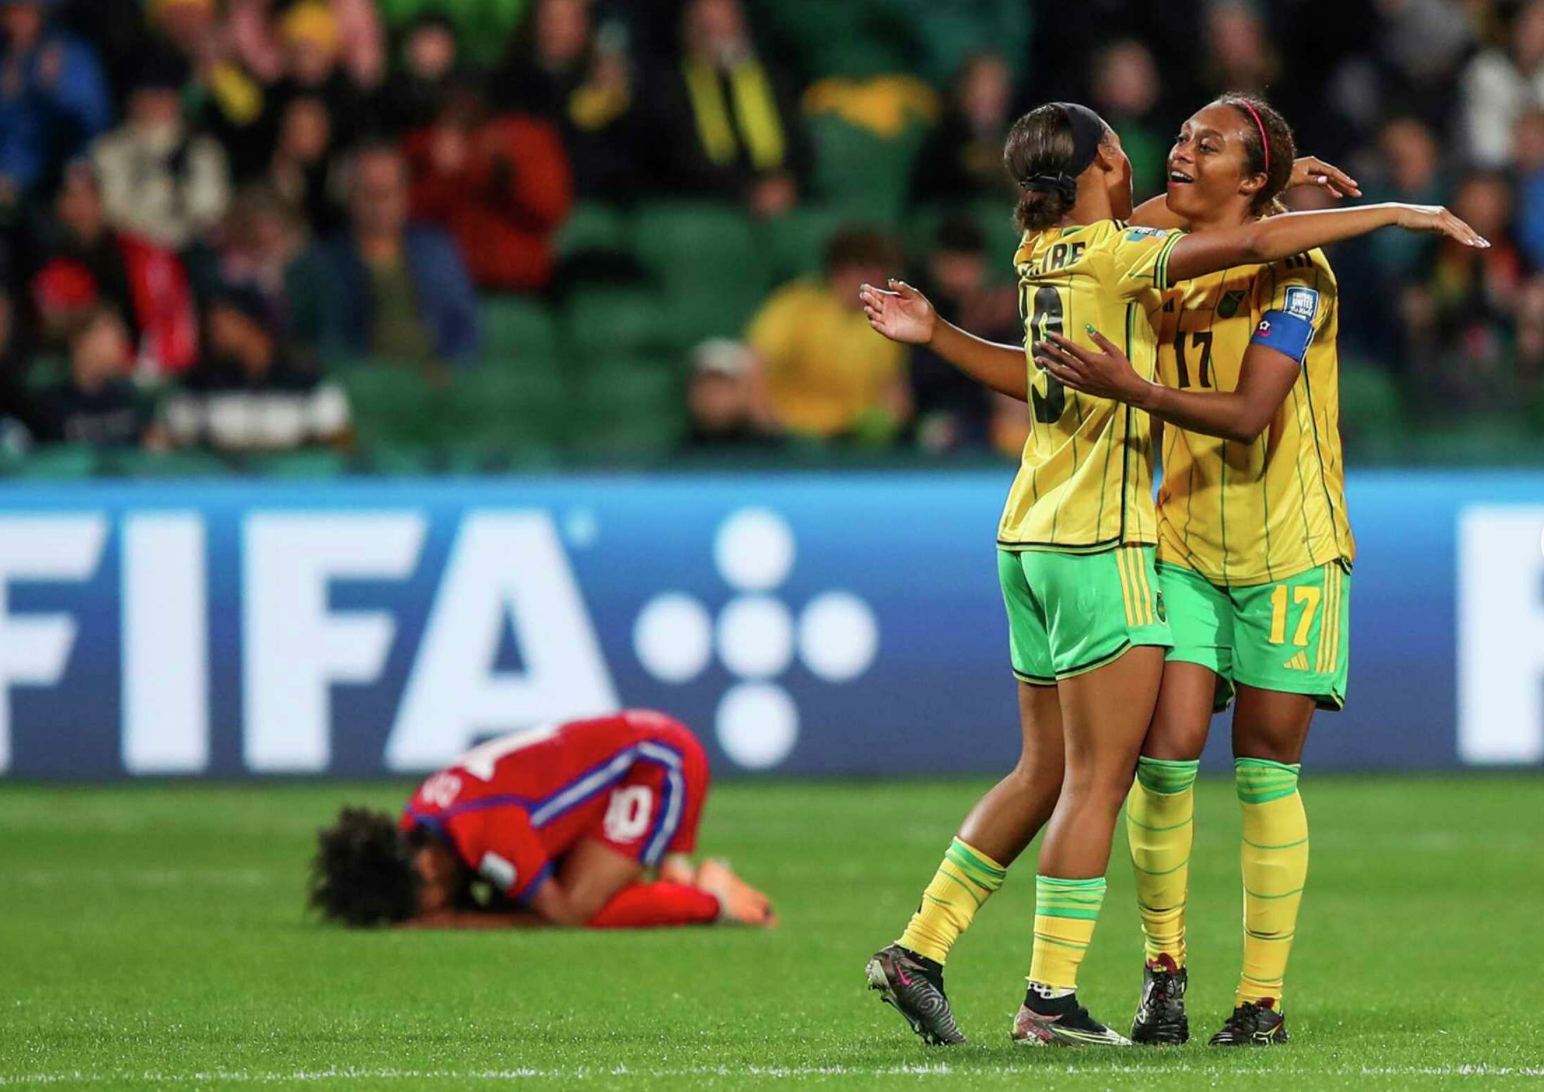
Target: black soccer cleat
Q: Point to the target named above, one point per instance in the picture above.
(914, 986)
(1161, 1019)
(1253, 1024)
(1061, 1021)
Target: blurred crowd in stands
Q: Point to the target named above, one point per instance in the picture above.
(638, 226)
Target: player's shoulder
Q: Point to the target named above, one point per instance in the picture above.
(1113, 234)
(1310, 267)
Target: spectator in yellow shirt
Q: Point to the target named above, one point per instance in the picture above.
(827, 375)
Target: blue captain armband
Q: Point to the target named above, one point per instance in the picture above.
(1289, 330)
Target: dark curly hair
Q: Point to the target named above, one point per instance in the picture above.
(362, 874)
(1283, 148)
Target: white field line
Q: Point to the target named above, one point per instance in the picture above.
(774, 1072)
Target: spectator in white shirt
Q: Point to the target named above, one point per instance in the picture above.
(160, 179)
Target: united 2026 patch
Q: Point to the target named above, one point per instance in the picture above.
(1302, 302)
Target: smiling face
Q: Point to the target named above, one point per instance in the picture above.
(1209, 171)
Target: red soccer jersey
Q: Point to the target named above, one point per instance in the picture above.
(510, 807)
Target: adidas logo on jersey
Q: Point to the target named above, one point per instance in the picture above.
(1298, 662)
(1230, 303)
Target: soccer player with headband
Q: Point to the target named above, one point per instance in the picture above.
(1089, 628)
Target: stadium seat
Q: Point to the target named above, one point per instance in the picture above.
(795, 243)
(515, 327)
(707, 260)
(594, 226)
(163, 464)
(630, 408)
(484, 26)
(308, 463)
(399, 461)
(61, 462)
(687, 241)
(604, 321)
(1474, 440)
(839, 39)
(861, 172)
(391, 405)
(506, 411)
(1373, 423)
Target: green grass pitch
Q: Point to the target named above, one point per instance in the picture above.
(153, 937)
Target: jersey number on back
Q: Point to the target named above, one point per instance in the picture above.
(1046, 319)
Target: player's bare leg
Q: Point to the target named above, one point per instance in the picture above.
(1105, 716)
(1269, 730)
(592, 873)
(1182, 719)
(1014, 810)
(1000, 825)
(741, 901)
(1159, 810)
(1271, 724)
(602, 884)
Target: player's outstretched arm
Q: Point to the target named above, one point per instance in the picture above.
(1265, 378)
(1280, 237)
(903, 314)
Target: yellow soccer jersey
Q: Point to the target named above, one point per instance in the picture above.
(1255, 513)
(1085, 482)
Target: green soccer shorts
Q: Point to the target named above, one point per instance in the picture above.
(1071, 613)
(1289, 636)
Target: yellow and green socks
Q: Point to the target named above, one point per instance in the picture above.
(1160, 811)
(964, 881)
(1275, 863)
(1066, 912)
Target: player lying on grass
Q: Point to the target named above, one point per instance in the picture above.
(555, 826)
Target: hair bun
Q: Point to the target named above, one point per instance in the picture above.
(1060, 183)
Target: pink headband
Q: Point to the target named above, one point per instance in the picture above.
(1264, 141)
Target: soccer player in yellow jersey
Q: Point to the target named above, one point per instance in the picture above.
(1087, 628)
(1254, 551)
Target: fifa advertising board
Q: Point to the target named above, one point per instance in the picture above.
(802, 623)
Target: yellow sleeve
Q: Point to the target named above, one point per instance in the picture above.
(1310, 274)
(1136, 260)
(1293, 300)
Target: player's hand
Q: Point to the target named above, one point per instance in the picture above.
(1310, 170)
(1104, 374)
(1439, 221)
(902, 314)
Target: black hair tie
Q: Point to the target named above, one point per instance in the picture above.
(1060, 183)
